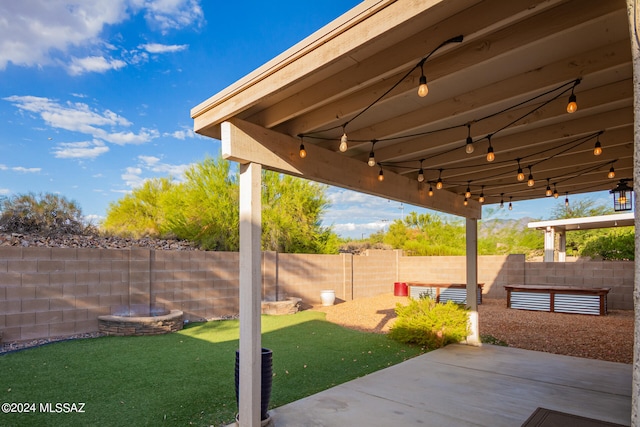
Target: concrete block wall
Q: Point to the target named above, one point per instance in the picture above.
(61, 292)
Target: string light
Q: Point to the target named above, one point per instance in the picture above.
(381, 175)
(481, 198)
(467, 193)
(469, 147)
(566, 200)
(572, 105)
(466, 201)
(530, 181)
(343, 140)
(510, 204)
(597, 149)
(430, 193)
(520, 173)
(302, 153)
(490, 155)
(421, 172)
(555, 192)
(439, 182)
(501, 200)
(548, 192)
(612, 173)
(372, 158)
(423, 89)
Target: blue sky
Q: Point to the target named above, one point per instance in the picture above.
(95, 95)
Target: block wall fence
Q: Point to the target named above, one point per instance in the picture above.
(47, 292)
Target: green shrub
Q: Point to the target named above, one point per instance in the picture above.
(430, 324)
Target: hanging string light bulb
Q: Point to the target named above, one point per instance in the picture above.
(612, 173)
(421, 172)
(501, 200)
(481, 198)
(302, 152)
(381, 175)
(439, 182)
(467, 193)
(372, 157)
(423, 89)
(566, 200)
(466, 201)
(510, 204)
(430, 193)
(520, 175)
(530, 181)
(490, 154)
(555, 192)
(548, 192)
(469, 147)
(572, 105)
(343, 140)
(597, 149)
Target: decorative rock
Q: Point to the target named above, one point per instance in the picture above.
(289, 306)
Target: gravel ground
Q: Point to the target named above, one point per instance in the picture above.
(607, 337)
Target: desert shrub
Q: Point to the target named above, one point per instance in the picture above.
(429, 324)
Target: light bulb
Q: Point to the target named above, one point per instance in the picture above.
(510, 206)
(372, 160)
(530, 181)
(381, 176)
(469, 148)
(439, 184)
(555, 194)
(566, 202)
(481, 198)
(622, 199)
(467, 194)
(520, 175)
(612, 173)
(490, 155)
(548, 192)
(423, 89)
(572, 106)
(430, 191)
(420, 175)
(343, 143)
(597, 150)
(466, 202)
(302, 152)
(501, 203)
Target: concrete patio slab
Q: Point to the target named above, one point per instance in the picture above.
(462, 385)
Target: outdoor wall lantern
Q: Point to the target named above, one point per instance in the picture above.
(622, 196)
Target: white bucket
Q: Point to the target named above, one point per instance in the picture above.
(328, 297)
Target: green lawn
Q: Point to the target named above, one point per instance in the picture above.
(185, 378)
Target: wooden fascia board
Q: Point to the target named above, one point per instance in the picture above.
(245, 142)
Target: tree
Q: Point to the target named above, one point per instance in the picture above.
(47, 214)
(141, 213)
(205, 209)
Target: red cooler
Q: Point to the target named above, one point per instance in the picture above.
(400, 289)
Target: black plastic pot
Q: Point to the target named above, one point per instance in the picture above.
(266, 381)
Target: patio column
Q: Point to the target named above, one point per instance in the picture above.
(472, 280)
(549, 244)
(250, 295)
(632, 13)
(562, 246)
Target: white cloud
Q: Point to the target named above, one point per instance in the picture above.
(51, 32)
(163, 48)
(153, 164)
(79, 117)
(3, 167)
(181, 134)
(96, 64)
(132, 177)
(80, 150)
(26, 170)
(5, 191)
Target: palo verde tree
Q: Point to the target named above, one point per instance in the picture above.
(204, 209)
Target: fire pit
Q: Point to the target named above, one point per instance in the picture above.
(138, 321)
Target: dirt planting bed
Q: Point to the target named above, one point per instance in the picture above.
(607, 337)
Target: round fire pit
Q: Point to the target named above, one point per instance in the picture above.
(135, 325)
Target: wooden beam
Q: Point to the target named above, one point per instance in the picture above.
(246, 142)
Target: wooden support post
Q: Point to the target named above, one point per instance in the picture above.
(250, 295)
(472, 280)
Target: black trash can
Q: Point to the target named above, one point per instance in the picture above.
(266, 381)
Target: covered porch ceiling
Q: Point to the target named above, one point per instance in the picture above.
(507, 84)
